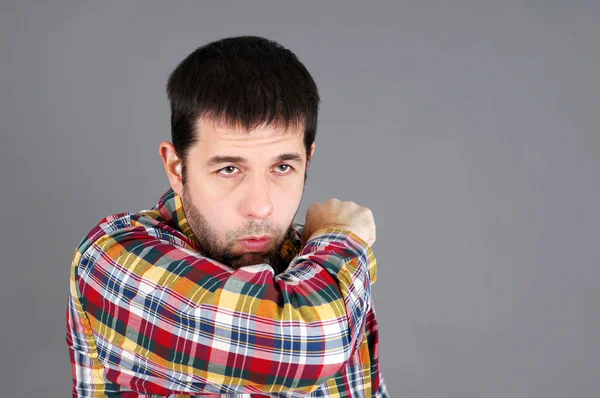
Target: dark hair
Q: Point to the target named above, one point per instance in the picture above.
(241, 82)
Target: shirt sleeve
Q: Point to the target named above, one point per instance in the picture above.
(166, 319)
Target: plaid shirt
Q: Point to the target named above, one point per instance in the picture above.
(150, 316)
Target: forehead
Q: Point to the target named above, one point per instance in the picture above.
(214, 139)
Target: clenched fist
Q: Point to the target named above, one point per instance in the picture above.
(345, 215)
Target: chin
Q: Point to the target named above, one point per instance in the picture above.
(248, 259)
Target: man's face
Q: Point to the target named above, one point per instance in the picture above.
(256, 195)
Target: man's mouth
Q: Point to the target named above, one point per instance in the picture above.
(256, 244)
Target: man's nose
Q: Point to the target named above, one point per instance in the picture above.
(257, 202)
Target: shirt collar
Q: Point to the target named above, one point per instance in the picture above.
(170, 207)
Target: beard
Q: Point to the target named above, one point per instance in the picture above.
(223, 250)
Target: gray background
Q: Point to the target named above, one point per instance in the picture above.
(470, 128)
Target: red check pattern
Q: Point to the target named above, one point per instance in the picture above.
(150, 316)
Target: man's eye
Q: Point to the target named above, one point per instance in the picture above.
(228, 168)
(286, 168)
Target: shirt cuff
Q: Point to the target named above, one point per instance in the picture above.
(357, 240)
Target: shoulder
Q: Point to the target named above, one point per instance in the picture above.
(107, 226)
(144, 227)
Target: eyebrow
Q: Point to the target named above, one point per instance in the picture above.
(216, 160)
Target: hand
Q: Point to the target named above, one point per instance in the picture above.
(342, 215)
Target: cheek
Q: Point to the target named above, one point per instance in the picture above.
(209, 193)
(221, 215)
(215, 208)
(287, 201)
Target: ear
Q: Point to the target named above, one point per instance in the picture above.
(173, 166)
(312, 150)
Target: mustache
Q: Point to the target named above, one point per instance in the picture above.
(254, 229)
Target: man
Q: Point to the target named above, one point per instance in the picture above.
(215, 291)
